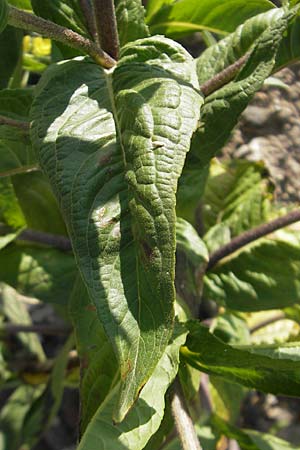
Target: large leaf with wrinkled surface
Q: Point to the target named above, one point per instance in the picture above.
(113, 145)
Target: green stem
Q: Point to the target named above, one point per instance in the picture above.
(30, 22)
(106, 25)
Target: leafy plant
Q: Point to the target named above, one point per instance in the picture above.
(103, 163)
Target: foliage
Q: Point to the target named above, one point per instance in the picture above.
(102, 172)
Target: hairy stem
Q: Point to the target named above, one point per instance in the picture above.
(106, 25)
(252, 235)
(87, 9)
(30, 22)
(14, 123)
(223, 77)
(50, 330)
(183, 422)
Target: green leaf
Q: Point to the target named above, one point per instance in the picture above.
(12, 417)
(117, 191)
(99, 368)
(46, 274)
(219, 16)
(263, 275)
(13, 309)
(226, 398)
(38, 203)
(22, 4)
(145, 417)
(228, 50)
(268, 373)
(3, 14)
(131, 20)
(10, 52)
(231, 48)
(250, 439)
(238, 195)
(222, 108)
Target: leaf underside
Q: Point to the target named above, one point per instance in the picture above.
(113, 145)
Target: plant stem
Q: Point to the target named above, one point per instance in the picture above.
(106, 25)
(50, 330)
(183, 422)
(223, 77)
(87, 9)
(14, 123)
(54, 240)
(252, 235)
(30, 22)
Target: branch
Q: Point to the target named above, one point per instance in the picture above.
(49, 330)
(15, 123)
(106, 25)
(251, 236)
(53, 240)
(30, 22)
(183, 422)
(223, 77)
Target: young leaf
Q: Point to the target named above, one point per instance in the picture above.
(231, 100)
(131, 20)
(113, 145)
(219, 16)
(146, 415)
(264, 275)
(272, 373)
(228, 50)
